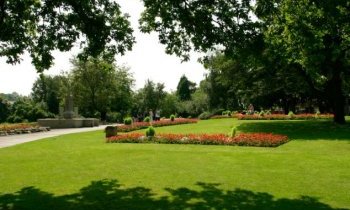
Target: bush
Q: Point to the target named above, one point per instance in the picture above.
(204, 116)
(114, 117)
(128, 121)
(217, 111)
(262, 113)
(233, 132)
(15, 119)
(226, 113)
(172, 117)
(291, 114)
(150, 132)
(147, 119)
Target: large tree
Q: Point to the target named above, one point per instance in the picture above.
(149, 97)
(97, 84)
(47, 89)
(313, 34)
(41, 26)
(4, 109)
(185, 88)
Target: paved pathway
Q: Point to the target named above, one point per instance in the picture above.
(11, 140)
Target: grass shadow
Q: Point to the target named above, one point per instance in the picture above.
(109, 194)
(300, 130)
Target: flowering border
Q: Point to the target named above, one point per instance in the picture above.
(20, 128)
(243, 139)
(142, 125)
(285, 117)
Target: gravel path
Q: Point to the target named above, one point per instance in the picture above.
(11, 140)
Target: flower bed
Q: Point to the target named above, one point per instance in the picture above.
(142, 125)
(20, 128)
(243, 139)
(220, 116)
(285, 117)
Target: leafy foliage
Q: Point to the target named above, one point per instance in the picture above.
(150, 132)
(300, 44)
(185, 88)
(47, 89)
(147, 119)
(150, 97)
(40, 27)
(4, 109)
(205, 115)
(128, 121)
(100, 86)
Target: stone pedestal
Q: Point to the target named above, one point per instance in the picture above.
(68, 118)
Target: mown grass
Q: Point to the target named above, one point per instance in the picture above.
(81, 171)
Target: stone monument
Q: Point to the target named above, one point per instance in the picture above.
(68, 117)
(68, 112)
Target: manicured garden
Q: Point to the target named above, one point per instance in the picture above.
(82, 171)
(20, 128)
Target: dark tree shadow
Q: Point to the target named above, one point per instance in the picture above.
(300, 130)
(109, 194)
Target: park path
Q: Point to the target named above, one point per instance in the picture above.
(11, 140)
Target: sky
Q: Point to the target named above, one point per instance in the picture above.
(147, 60)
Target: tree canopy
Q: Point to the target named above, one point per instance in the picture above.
(41, 26)
(100, 86)
(185, 88)
(308, 34)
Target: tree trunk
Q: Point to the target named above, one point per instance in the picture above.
(337, 98)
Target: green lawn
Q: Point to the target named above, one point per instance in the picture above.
(80, 171)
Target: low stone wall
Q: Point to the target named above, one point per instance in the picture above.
(69, 123)
(91, 122)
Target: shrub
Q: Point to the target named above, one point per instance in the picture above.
(172, 117)
(233, 132)
(226, 113)
(128, 121)
(317, 115)
(114, 117)
(147, 119)
(291, 114)
(204, 116)
(268, 112)
(150, 132)
(262, 113)
(217, 111)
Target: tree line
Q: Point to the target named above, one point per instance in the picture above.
(282, 52)
(105, 90)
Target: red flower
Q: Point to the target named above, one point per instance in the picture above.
(247, 139)
(142, 125)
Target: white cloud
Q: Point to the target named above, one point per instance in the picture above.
(147, 60)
